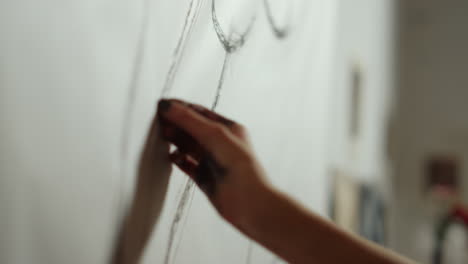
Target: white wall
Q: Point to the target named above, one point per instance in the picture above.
(430, 117)
(65, 70)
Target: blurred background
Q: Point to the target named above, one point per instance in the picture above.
(356, 108)
(423, 135)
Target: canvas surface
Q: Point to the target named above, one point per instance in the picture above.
(79, 82)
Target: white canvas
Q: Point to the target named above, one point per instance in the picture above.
(79, 82)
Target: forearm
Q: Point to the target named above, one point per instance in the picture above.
(299, 236)
(135, 231)
(150, 190)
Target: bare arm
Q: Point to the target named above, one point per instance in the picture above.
(216, 154)
(150, 189)
(299, 236)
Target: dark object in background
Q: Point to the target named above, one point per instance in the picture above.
(372, 220)
(442, 175)
(458, 215)
(358, 207)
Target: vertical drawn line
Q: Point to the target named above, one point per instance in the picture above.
(230, 45)
(279, 32)
(178, 53)
(132, 92)
(178, 216)
(249, 252)
(190, 20)
(227, 58)
(188, 193)
(184, 224)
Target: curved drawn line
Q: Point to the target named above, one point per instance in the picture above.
(279, 32)
(230, 44)
(132, 91)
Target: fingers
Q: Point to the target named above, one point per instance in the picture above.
(208, 144)
(212, 136)
(207, 113)
(235, 128)
(205, 173)
(185, 163)
(183, 141)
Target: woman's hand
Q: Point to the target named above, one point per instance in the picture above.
(216, 154)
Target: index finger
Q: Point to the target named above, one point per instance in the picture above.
(213, 136)
(235, 128)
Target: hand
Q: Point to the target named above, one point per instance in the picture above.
(215, 152)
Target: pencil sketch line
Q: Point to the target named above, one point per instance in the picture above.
(279, 32)
(221, 81)
(179, 51)
(192, 194)
(249, 252)
(190, 20)
(217, 27)
(178, 216)
(230, 47)
(231, 44)
(188, 193)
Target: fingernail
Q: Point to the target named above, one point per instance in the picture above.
(164, 106)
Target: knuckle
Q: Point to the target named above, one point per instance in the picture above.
(243, 158)
(183, 115)
(240, 130)
(217, 131)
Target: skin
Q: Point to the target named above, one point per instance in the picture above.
(150, 190)
(215, 152)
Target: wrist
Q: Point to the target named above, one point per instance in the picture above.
(258, 211)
